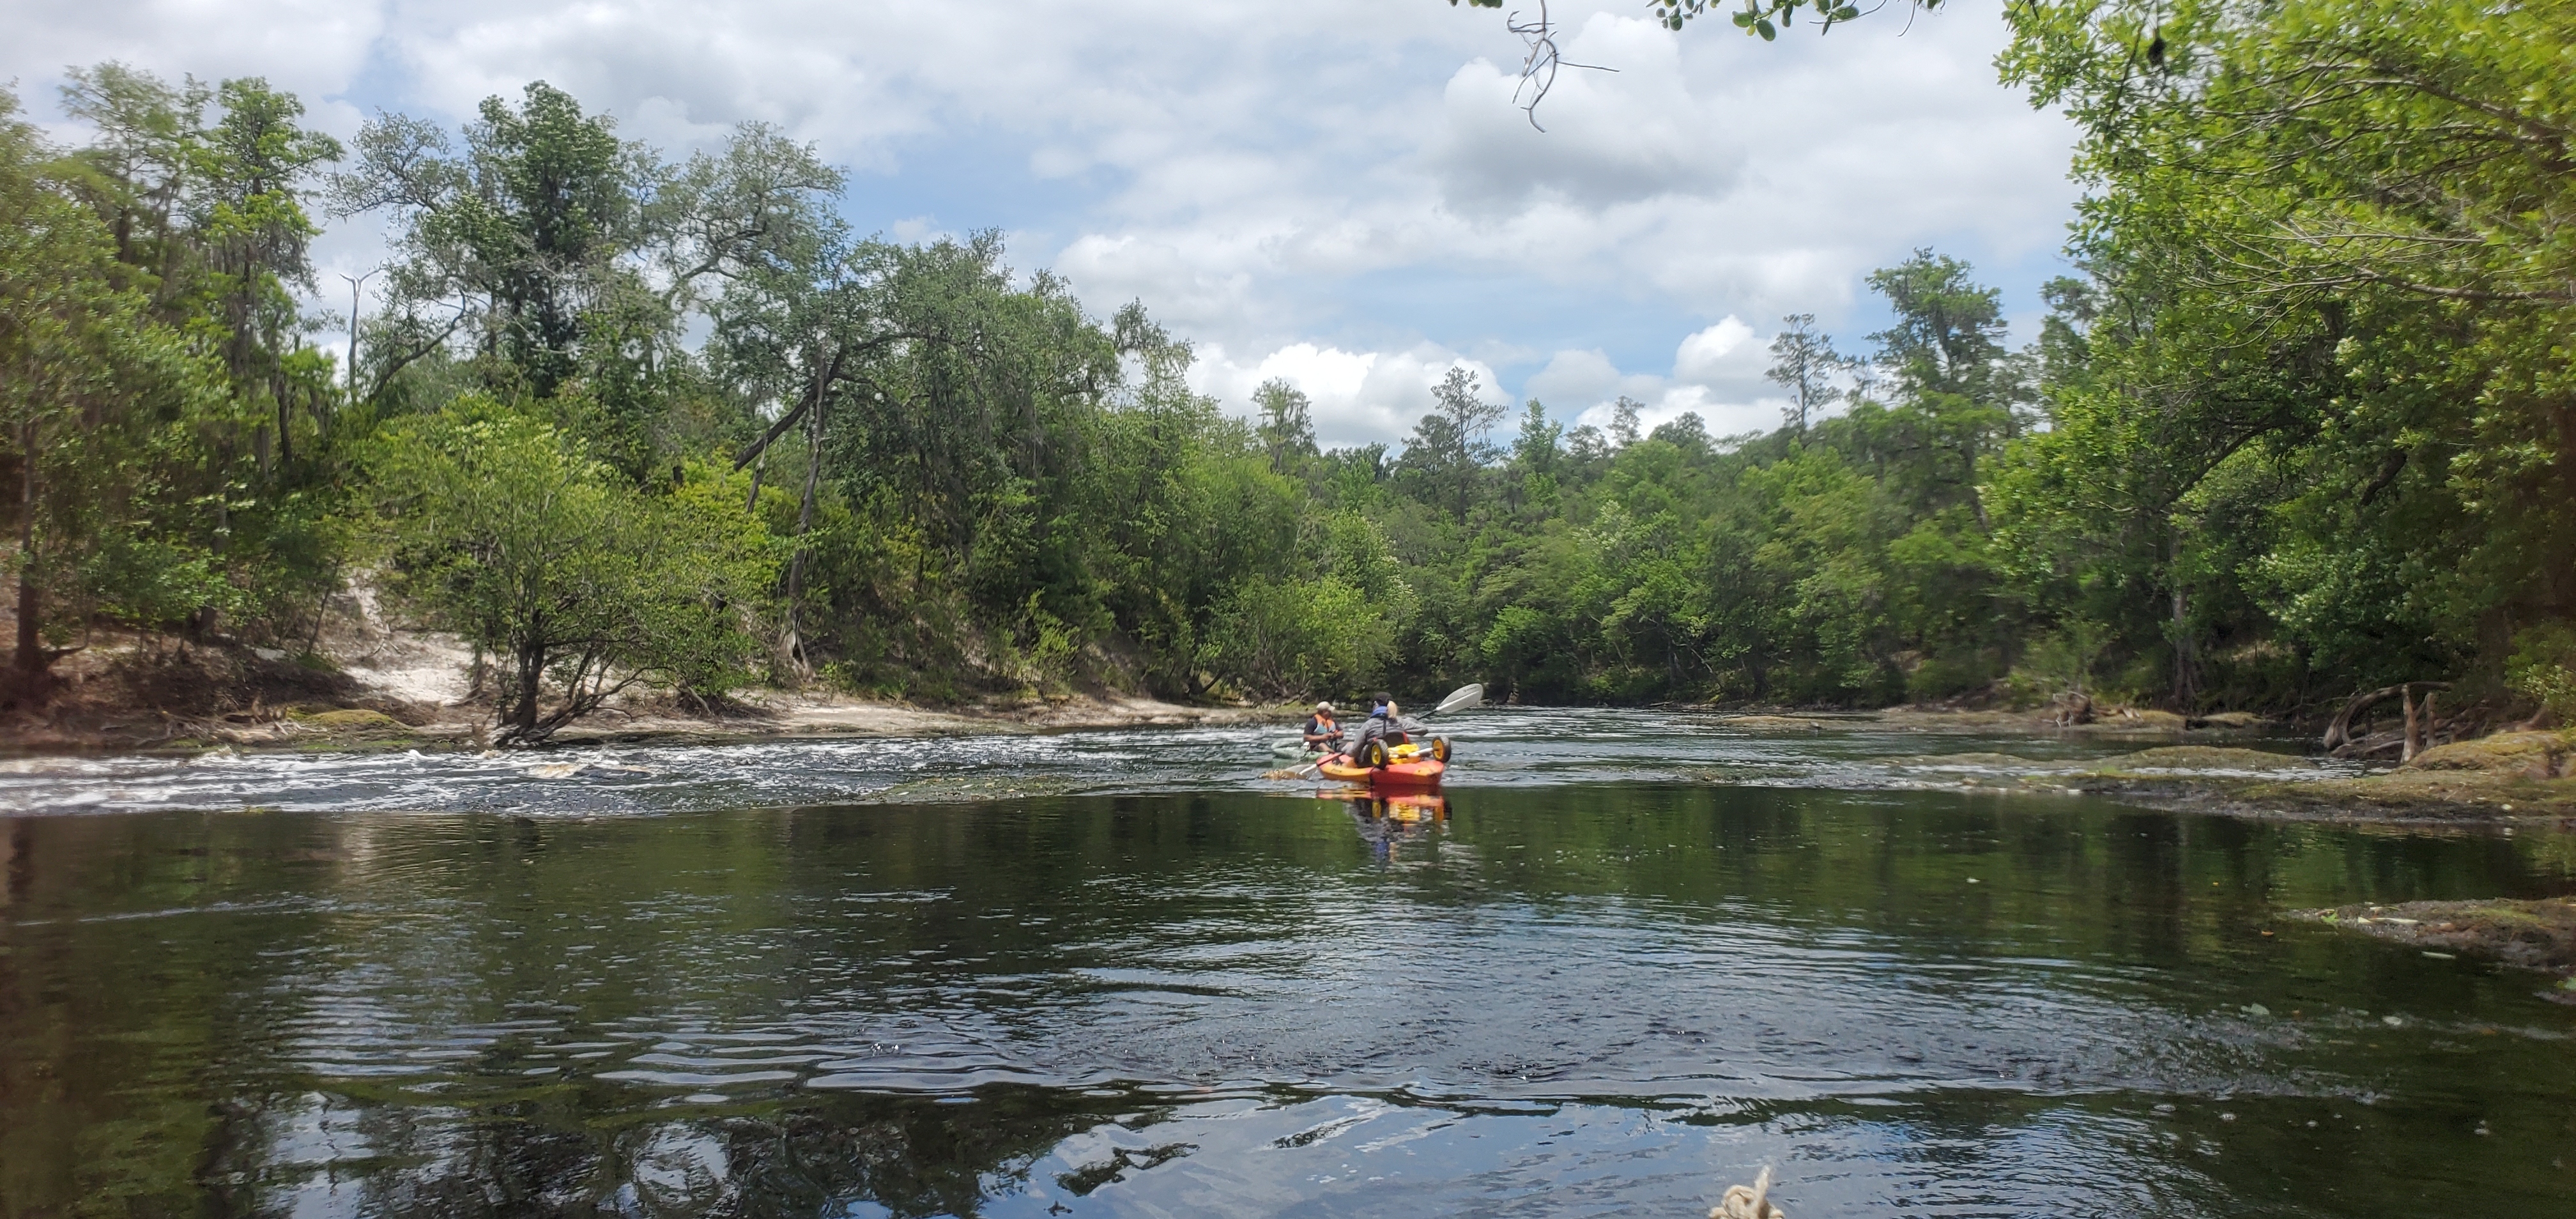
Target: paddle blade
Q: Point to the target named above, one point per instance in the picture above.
(1469, 695)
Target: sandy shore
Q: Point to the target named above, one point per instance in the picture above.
(773, 716)
(380, 723)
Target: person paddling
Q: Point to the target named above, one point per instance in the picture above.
(1382, 726)
(1321, 731)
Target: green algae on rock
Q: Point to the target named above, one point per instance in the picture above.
(2537, 935)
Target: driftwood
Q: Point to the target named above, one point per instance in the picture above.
(2339, 733)
(1749, 1202)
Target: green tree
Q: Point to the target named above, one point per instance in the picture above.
(1287, 424)
(1450, 447)
(528, 228)
(500, 528)
(1804, 362)
(94, 395)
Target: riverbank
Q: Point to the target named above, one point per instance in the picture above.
(2406, 796)
(2121, 724)
(374, 722)
(375, 689)
(2510, 778)
(2504, 779)
(406, 690)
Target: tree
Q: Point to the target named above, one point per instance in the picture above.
(249, 218)
(209, 216)
(2331, 260)
(1451, 446)
(92, 388)
(565, 256)
(1804, 362)
(501, 529)
(2416, 146)
(529, 226)
(1285, 638)
(1624, 421)
(1948, 332)
(1287, 425)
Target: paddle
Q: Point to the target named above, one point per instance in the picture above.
(1470, 695)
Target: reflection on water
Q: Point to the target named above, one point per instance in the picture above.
(1604, 999)
(1387, 821)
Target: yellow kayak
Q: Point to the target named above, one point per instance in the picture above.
(1405, 766)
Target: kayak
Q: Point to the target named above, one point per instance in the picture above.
(1418, 772)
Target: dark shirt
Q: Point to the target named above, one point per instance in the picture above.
(1321, 730)
(1377, 727)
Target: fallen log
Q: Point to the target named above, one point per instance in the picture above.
(2339, 733)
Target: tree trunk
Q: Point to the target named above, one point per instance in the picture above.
(202, 620)
(531, 675)
(2562, 590)
(791, 641)
(2414, 730)
(2339, 733)
(2186, 690)
(26, 685)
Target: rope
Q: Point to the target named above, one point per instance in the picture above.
(1749, 1202)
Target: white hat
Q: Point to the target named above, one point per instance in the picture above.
(1323, 706)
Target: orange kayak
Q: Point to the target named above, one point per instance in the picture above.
(1420, 772)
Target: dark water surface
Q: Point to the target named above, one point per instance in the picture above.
(1580, 993)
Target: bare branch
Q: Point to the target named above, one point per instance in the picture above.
(1538, 67)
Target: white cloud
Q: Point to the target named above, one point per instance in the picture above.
(1615, 135)
(1723, 352)
(1347, 178)
(1576, 377)
(1357, 397)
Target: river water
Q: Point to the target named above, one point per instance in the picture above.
(1630, 958)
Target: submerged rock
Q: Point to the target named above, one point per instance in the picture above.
(1799, 722)
(2535, 755)
(2202, 758)
(1981, 761)
(350, 719)
(2229, 719)
(2537, 935)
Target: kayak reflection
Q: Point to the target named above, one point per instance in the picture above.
(1388, 819)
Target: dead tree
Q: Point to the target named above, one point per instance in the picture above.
(2339, 733)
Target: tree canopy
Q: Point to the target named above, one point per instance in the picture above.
(2301, 424)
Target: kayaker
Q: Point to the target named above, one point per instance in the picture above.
(1321, 731)
(1381, 725)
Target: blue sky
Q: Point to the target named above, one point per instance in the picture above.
(1336, 191)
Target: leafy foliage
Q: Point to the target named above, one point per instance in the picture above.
(2303, 423)
(502, 529)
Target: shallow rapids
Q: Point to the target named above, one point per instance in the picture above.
(1496, 747)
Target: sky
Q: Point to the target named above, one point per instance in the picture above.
(1342, 193)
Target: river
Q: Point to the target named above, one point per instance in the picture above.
(1630, 958)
